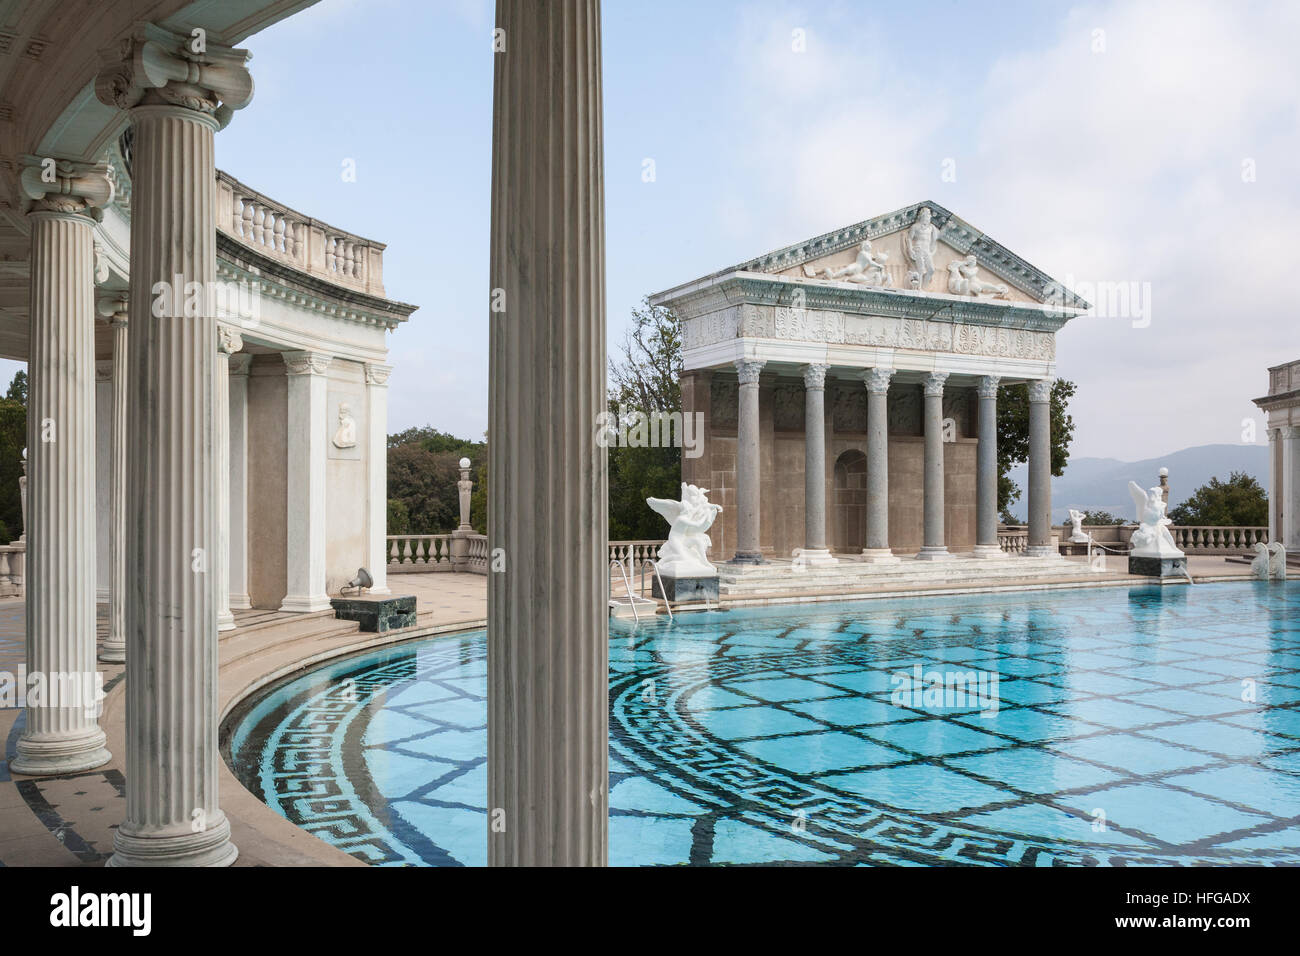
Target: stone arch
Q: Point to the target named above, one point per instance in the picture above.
(848, 517)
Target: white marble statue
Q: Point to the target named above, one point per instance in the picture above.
(920, 243)
(868, 268)
(963, 279)
(685, 553)
(1077, 533)
(1152, 538)
(345, 436)
(1270, 562)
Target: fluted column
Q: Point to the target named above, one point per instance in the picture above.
(61, 734)
(177, 101)
(306, 453)
(933, 546)
(877, 549)
(113, 650)
(1040, 469)
(986, 470)
(548, 706)
(229, 342)
(1291, 487)
(748, 480)
(238, 478)
(815, 551)
(377, 476)
(1275, 495)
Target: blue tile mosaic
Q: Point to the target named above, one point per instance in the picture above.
(1126, 727)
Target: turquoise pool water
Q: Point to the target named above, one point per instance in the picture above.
(1103, 726)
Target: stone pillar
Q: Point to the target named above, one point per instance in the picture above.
(933, 547)
(460, 537)
(308, 431)
(748, 479)
(177, 103)
(238, 478)
(229, 342)
(1291, 487)
(377, 476)
(113, 650)
(814, 552)
(1275, 484)
(1040, 469)
(877, 550)
(548, 684)
(61, 735)
(986, 471)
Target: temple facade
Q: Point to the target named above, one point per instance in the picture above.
(1282, 403)
(847, 388)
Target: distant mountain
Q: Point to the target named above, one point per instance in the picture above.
(1101, 484)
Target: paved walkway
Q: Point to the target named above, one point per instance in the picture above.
(69, 820)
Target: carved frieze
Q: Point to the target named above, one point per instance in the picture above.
(849, 408)
(788, 407)
(723, 397)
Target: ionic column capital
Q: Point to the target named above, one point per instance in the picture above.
(63, 186)
(748, 370)
(877, 380)
(155, 67)
(1040, 390)
(988, 386)
(934, 383)
(229, 340)
(377, 374)
(814, 375)
(306, 363)
(1290, 432)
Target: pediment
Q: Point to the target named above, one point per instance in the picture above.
(963, 261)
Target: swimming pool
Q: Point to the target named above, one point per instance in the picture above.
(1077, 727)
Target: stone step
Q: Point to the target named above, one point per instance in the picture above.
(906, 572)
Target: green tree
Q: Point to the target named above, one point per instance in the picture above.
(423, 471)
(13, 439)
(644, 377)
(1238, 501)
(1013, 436)
(1103, 517)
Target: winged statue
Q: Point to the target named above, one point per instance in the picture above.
(685, 553)
(1152, 538)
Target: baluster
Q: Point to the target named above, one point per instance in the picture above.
(279, 233)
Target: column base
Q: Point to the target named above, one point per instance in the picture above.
(37, 757)
(930, 553)
(240, 602)
(879, 556)
(225, 622)
(305, 604)
(987, 551)
(813, 557)
(748, 557)
(1040, 551)
(112, 652)
(144, 847)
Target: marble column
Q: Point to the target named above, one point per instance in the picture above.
(229, 341)
(306, 454)
(748, 478)
(1040, 469)
(62, 734)
(1291, 487)
(877, 550)
(238, 478)
(113, 650)
(933, 547)
(377, 476)
(814, 552)
(986, 470)
(173, 815)
(548, 704)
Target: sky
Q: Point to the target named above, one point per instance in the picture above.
(1147, 146)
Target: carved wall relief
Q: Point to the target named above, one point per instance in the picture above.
(723, 399)
(905, 409)
(849, 411)
(788, 410)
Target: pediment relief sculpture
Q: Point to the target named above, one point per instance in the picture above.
(963, 279)
(868, 268)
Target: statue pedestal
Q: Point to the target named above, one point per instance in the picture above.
(1153, 566)
(687, 588)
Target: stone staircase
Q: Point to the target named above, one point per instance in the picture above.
(851, 576)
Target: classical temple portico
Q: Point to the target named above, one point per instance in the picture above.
(1282, 403)
(848, 388)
